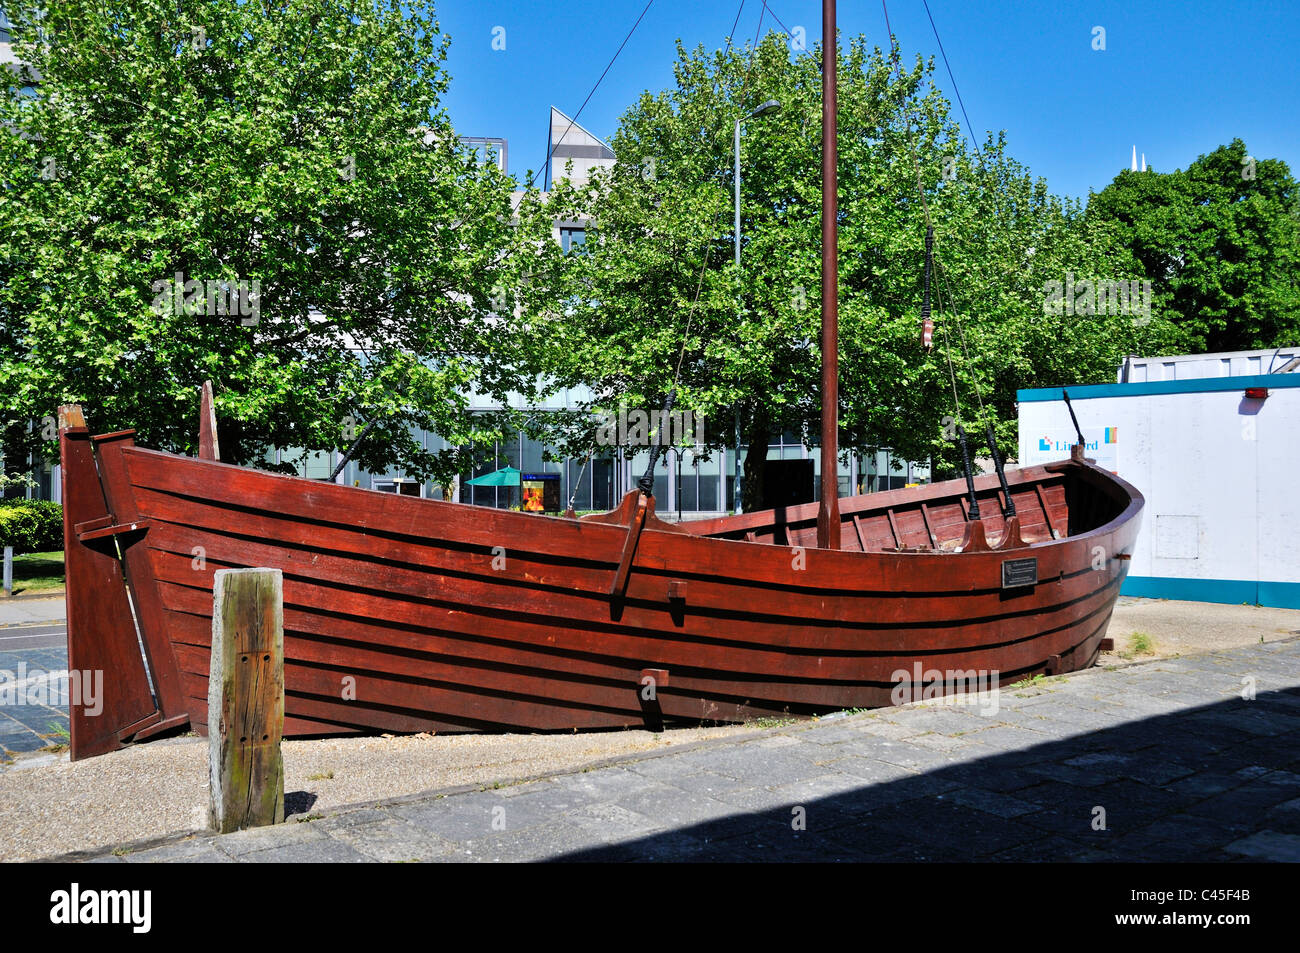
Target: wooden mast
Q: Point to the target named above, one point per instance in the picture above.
(828, 512)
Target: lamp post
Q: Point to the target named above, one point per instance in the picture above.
(767, 108)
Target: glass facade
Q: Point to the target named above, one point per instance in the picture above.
(572, 239)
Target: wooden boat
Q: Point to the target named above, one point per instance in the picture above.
(404, 614)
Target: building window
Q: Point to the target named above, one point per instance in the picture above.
(572, 238)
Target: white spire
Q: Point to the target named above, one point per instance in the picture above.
(1135, 158)
(1144, 162)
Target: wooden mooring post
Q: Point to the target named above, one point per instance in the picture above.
(246, 699)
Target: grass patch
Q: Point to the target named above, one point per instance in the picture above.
(327, 776)
(771, 722)
(1034, 682)
(1139, 644)
(38, 572)
(58, 736)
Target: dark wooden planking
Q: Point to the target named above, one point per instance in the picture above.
(101, 633)
(109, 450)
(208, 448)
(404, 593)
(790, 618)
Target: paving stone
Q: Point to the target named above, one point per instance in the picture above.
(1068, 774)
(612, 822)
(1184, 769)
(709, 784)
(662, 847)
(937, 742)
(895, 730)
(472, 816)
(323, 851)
(351, 819)
(822, 786)
(909, 755)
(765, 767)
(1204, 784)
(1192, 829)
(1144, 849)
(392, 840)
(992, 802)
(602, 783)
(1162, 773)
(942, 720)
(261, 838)
(1268, 845)
(993, 774)
(1249, 803)
(669, 767)
(823, 735)
(754, 798)
(198, 850)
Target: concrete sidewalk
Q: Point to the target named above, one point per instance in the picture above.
(1162, 760)
(22, 610)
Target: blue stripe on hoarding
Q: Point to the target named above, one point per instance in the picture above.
(1199, 385)
(1280, 595)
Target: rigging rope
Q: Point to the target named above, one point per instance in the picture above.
(970, 130)
(550, 149)
(1009, 508)
(646, 483)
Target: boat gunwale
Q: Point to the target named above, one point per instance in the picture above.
(1058, 468)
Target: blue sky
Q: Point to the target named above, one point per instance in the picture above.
(1176, 78)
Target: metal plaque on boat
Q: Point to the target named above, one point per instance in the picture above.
(1019, 572)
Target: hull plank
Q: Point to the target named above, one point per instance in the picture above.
(97, 609)
(400, 614)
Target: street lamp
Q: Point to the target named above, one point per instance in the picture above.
(767, 108)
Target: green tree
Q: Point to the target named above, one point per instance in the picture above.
(656, 283)
(1222, 240)
(296, 149)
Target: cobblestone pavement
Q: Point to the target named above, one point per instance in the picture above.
(1164, 760)
(34, 657)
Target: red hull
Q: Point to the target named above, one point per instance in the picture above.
(405, 614)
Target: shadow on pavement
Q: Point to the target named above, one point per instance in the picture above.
(1175, 787)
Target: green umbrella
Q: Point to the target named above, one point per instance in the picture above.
(506, 476)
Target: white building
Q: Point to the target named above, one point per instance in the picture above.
(1210, 441)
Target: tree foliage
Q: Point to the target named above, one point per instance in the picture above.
(657, 270)
(299, 145)
(1221, 239)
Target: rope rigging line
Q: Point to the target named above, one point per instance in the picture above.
(572, 122)
(970, 130)
(646, 483)
(1009, 508)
